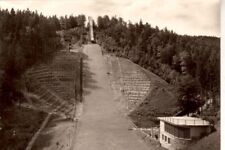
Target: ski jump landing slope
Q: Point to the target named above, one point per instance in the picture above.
(101, 126)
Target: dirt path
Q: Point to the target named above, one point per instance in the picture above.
(101, 125)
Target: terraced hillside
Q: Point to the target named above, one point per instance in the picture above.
(135, 83)
(147, 95)
(53, 84)
(160, 101)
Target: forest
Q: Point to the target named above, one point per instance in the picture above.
(190, 63)
(27, 38)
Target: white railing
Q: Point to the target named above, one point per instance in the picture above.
(185, 121)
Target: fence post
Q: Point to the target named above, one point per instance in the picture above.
(81, 79)
(75, 95)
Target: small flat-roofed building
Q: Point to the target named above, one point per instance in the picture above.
(177, 132)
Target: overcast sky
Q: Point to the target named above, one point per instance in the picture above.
(193, 17)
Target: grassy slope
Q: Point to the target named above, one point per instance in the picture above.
(211, 142)
(25, 122)
(59, 131)
(66, 64)
(161, 100)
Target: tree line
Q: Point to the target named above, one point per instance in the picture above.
(190, 63)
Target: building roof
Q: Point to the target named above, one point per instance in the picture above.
(185, 121)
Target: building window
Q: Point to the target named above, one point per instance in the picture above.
(177, 131)
(169, 140)
(165, 138)
(162, 137)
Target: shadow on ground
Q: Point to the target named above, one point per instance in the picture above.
(57, 135)
(88, 81)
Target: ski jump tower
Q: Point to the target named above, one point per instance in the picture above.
(91, 29)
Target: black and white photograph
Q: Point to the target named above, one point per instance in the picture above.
(111, 74)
